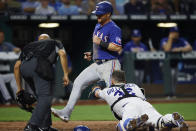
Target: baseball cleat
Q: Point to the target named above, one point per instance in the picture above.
(139, 122)
(59, 114)
(179, 120)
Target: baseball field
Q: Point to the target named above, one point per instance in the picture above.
(94, 114)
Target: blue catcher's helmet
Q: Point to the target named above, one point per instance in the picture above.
(103, 8)
(81, 128)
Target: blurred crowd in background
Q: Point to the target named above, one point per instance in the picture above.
(76, 7)
(174, 42)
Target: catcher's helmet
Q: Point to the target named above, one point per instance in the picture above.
(81, 128)
(103, 8)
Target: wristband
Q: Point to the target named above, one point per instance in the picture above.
(104, 44)
(94, 90)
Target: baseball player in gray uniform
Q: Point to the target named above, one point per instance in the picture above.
(5, 78)
(130, 107)
(106, 45)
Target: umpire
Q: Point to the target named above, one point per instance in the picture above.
(35, 65)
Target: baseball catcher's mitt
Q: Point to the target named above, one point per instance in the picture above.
(100, 84)
(25, 100)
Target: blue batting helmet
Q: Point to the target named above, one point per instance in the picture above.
(103, 8)
(81, 128)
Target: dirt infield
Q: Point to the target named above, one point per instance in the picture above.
(93, 125)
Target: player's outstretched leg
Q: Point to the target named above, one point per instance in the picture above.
(86, 77)
(59, 114)
(132, 124)
(170, 121)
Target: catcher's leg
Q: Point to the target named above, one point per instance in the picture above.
(170, 121)
(86, 77)
(133, 124)
(132, 117)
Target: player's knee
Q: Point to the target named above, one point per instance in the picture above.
(76, 84)
(80, 85)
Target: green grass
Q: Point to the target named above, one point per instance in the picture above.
(188, 110)
(100, 112)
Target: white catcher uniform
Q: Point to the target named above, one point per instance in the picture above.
(133, 107)
(105, 62)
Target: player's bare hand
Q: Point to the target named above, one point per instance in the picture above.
(18, 90)
(172, 35)
(16, 50)
(96, 40)
(65, 80)
(120, 51)
(88, 56)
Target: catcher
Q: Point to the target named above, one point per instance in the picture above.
(35, 65)
(130, 107)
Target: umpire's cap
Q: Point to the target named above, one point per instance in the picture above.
(103, 8)
(81, 128)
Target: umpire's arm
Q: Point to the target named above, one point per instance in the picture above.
(64, 63)
(63, 58)
(17, 75)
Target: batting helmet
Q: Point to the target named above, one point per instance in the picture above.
(103, 8)
(81, 128)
